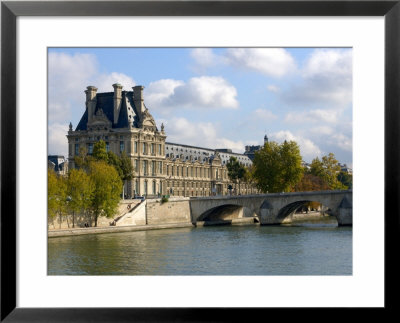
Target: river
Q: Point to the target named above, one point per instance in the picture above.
(306, 247)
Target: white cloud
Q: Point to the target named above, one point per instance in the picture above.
(68, 76)
(313, 116)
(327, 80)
(204, 57)
(275, 62)
(201, 134)
(198, 92)
(264, 115)
(273, 88)
(57, 140)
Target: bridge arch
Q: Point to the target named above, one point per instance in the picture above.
(226, 212)
(286, 212)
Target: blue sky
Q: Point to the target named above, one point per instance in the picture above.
(216, 97)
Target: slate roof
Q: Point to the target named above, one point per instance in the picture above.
(105, 102)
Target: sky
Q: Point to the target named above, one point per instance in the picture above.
(216, 97)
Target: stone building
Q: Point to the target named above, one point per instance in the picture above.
(122, 120)
(57, 163)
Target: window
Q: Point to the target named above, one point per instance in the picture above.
(121, 146)
(153, 168)
(145, 187)
(172, 170)
(167, 169)
(90, 148)
(154, 187)
(152, 149)
(107, 146)
(144, 148)
(76, 149)
(137, 186)
(135, 147)
(136, 165)
(159, 149)
(145, 167)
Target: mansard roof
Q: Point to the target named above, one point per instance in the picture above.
(105, 103)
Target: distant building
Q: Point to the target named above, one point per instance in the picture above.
(346, 169)
(251, 150)
(122, 120)
(58, 163)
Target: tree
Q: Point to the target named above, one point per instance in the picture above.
(277, 167)
(100, 151)
(52, 188)
(107, 186)
(56, 195)
(346, 179)
(327, 169)
(311, 182)
(236, 171)
(83, 159)
(79, 191)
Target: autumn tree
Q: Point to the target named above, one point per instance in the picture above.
(311, 182)
(236, 171)
(107, 187)
(277, 167)
(327, 169)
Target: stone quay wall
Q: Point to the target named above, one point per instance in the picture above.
(176, 210)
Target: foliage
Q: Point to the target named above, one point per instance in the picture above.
(327, 169)
(236, 171)
(346, 179)
(82, 160)
(56, 195)
(164, 199)
(100, 151)
(79, 191)
(107, 187)
(311, 182)
(277, 167)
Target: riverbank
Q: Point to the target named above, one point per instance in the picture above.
(127, 228)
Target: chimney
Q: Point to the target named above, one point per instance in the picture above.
(138, 99)
(117, 100)
(91, 101)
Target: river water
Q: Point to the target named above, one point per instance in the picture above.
(309, 247)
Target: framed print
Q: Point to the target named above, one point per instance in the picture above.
(38, 41)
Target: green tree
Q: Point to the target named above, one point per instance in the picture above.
(79, 191)
(100, 151)
(83, 159)
(236, 171)
(327, 169)
(56, 195)
(52, 188)
(107, 187)
(346, 179)
(277, 167)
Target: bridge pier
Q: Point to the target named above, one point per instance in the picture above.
(345, 213)
(268, 215)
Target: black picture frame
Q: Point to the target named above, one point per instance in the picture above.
(10, 10)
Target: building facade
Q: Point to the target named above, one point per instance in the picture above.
(122, 120)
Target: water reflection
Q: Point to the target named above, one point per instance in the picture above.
(303, 248)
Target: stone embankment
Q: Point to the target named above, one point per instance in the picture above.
(114, 229)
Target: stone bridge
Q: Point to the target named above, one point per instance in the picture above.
(270, 208)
